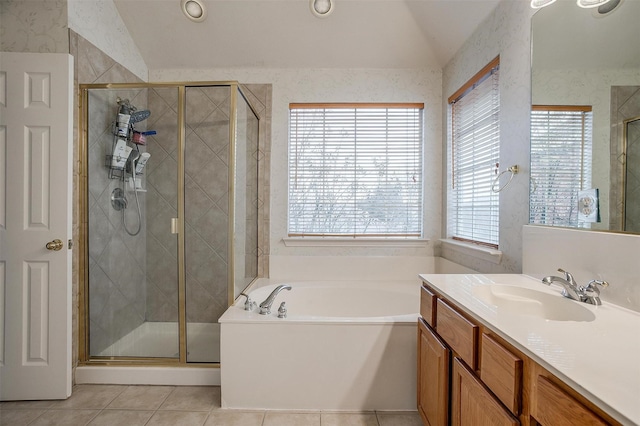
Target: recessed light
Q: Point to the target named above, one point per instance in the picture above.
(194, 10)
(321, 8)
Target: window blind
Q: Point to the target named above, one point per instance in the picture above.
(475, 153)
(355, 170)
(561, 158)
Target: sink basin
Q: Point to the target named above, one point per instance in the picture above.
(525, 301)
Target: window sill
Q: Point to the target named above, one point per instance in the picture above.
(354, 242)
(479, 252)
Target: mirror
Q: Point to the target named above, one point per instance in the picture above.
(591, 58)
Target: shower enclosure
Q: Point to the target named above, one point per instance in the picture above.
(171, 218)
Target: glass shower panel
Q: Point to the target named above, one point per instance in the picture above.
(246, 197)
(206, 217)
(133, 266)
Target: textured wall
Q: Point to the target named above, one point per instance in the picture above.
(99, 22)
(34, 26)
(506, 32)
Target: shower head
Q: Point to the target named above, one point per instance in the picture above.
(139, 116)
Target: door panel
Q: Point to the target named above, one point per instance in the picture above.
(35, 146)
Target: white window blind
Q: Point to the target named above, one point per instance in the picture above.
(355, 170)
(561, 158)
(475, 154)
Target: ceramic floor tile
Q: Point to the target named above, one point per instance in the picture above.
(121, 417)
(349, 419)
(90, 396)
(11, 417)
(20, 405)
(65, 417)
(291, 419)
(235, 418)
(192, 398)
(142, 397)
(182, 418)
(399, 419)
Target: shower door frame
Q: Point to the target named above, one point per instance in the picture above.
(84, 356)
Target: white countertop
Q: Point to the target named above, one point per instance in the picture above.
(600, 359)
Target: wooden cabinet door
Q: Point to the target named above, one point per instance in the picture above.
(472, 403)
(553, 406)
(433, 377)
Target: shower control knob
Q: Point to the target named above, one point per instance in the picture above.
(55, 245)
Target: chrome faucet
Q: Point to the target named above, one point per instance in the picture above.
(589, 293)
(265, 307)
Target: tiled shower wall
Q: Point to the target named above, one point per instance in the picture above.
(625, 104)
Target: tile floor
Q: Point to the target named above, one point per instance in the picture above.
(174, 405)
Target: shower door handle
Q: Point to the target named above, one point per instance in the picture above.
(174, 225)
(55, 245)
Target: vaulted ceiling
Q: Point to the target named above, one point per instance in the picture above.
(285, 34)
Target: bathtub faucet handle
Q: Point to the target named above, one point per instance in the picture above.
(249, 305)
(282, 310)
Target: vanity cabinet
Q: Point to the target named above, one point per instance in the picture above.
(468, 375)
(433, 377)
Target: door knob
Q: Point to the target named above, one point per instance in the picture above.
(55, 245)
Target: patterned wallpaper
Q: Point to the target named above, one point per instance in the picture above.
(34, 26)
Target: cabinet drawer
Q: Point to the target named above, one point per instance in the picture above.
(428, 306)
(501, 371)
(460, 334)
(553, 406)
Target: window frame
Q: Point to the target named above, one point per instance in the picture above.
(296, 234)
(490, 71)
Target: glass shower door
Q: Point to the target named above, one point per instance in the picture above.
(206, 217)
(132, 254)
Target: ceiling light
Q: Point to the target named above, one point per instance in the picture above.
(537, 4)
(321, 8)
(194, 10)
(591, 3)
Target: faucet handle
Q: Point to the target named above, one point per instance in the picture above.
(592, 286)
(567, 276)
(592, 292)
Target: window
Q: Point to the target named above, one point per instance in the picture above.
(475, 153)
(355, 170)
(560, 162)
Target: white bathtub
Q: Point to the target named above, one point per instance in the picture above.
(345, 345)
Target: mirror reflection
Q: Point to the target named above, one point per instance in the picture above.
(585, 159)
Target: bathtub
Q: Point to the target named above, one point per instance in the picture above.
(344, 346)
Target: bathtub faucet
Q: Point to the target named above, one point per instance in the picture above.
(265, 307)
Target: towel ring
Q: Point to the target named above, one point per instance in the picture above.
(513, 170)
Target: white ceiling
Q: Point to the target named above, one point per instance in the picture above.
(284, 33)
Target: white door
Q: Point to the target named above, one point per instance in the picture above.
(36, 92)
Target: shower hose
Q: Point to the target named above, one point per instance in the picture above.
(135, 192)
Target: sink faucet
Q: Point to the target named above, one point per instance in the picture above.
(265, 307)
(589, 293)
